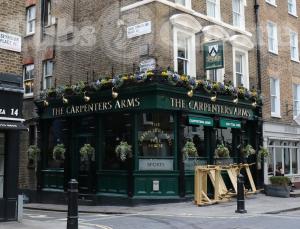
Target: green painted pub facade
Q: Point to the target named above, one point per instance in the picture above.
(156, 119)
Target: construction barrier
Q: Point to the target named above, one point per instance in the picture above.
(214, 173)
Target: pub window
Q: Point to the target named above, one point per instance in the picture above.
(117, 128)
(296, 97)
(275, 97)
(184, 52)
(238, 13)
(216, 75)
(156, 136)
(58, 133)
(47, 74)
(2, 154)
(224, 136)
(272, 37)
(28, 78)
(186, 3)
(292, 7)
(46, 12)
(30, 20)
(241, 68)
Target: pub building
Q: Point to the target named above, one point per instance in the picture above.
(11, 98)
(155, 113)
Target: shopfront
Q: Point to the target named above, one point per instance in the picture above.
(11, 97)
(155, 117)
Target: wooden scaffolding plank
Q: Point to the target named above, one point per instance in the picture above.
(250, 179)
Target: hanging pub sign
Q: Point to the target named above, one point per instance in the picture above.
(213, 55)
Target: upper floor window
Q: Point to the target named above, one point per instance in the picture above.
(216, 75)
(272, 2)
(292, 8)
(296, 99)
(238, 13)
(46, 12)
(275, 97)
(47, 74)
(294, 46)
(241, 76)
(213, 8)
(28, 77)
(186, 3)
(30, 20)
(272, 37)
(183, 47)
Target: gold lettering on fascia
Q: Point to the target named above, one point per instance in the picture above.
(209, 108)
(96, 107)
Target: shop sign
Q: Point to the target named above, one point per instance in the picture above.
(10, 105)
(200, 106)
(156, 164)
(147, 65)
(213, 55)
(227, 123)
(10, 42)
(139, 29)
(200, 121)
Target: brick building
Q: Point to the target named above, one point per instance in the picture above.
(71, 41)
(11, 97)
(279, 28)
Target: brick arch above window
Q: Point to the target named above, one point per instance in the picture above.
(242, 42)
(215, 32)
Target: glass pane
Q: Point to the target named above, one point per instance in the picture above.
(224, 136)
(294, 161)
(182, 66)
(273, 104)
(156, 135)
(271, 162)
(48, 82)
(278, 161)
(28, 86)
(211, 8)
(287, 161)
(117, 128)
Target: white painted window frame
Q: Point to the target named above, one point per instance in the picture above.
(236, 50)
(292, 3)
(241, 14)
(45, 76)
(272, 37)
(277, 112)
(296, 99)
(28, 80)
(294, 45)
(217, 9)
(30, 19)
(191, 69)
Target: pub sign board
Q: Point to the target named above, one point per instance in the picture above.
(10, 105)
(213, 55)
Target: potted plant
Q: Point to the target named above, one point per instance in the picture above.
(123, 150)
(222, 155)
(59, 152)
(33, 152)
(280, 186)
(87, 152)
(189, 150)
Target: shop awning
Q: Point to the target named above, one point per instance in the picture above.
(9, 125)
(229, 123)
(201, 121)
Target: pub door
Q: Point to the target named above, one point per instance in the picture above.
(84, 165)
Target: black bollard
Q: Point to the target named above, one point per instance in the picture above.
(240, 195)
(72, 205)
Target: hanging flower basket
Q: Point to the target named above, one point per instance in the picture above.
(87, 152)
(33, 153)
(247, 151)
(123, 150)
(189, 150)
(222, 152)
(59, 152)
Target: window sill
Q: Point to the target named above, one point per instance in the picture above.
(273, 52)
(28, 96)
(29, 35)
(47, 26)
(294, 60)
(271, 4)
(275, 115)
(293, 15)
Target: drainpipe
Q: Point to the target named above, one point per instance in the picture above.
(258, 45)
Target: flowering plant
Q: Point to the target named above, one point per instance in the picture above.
(189, 149)
(222, 151)
(87, 152)
(123, 150)
(59, 152)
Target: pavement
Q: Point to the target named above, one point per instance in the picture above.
(255, 204)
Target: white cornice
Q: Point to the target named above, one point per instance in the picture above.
(187, 10)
